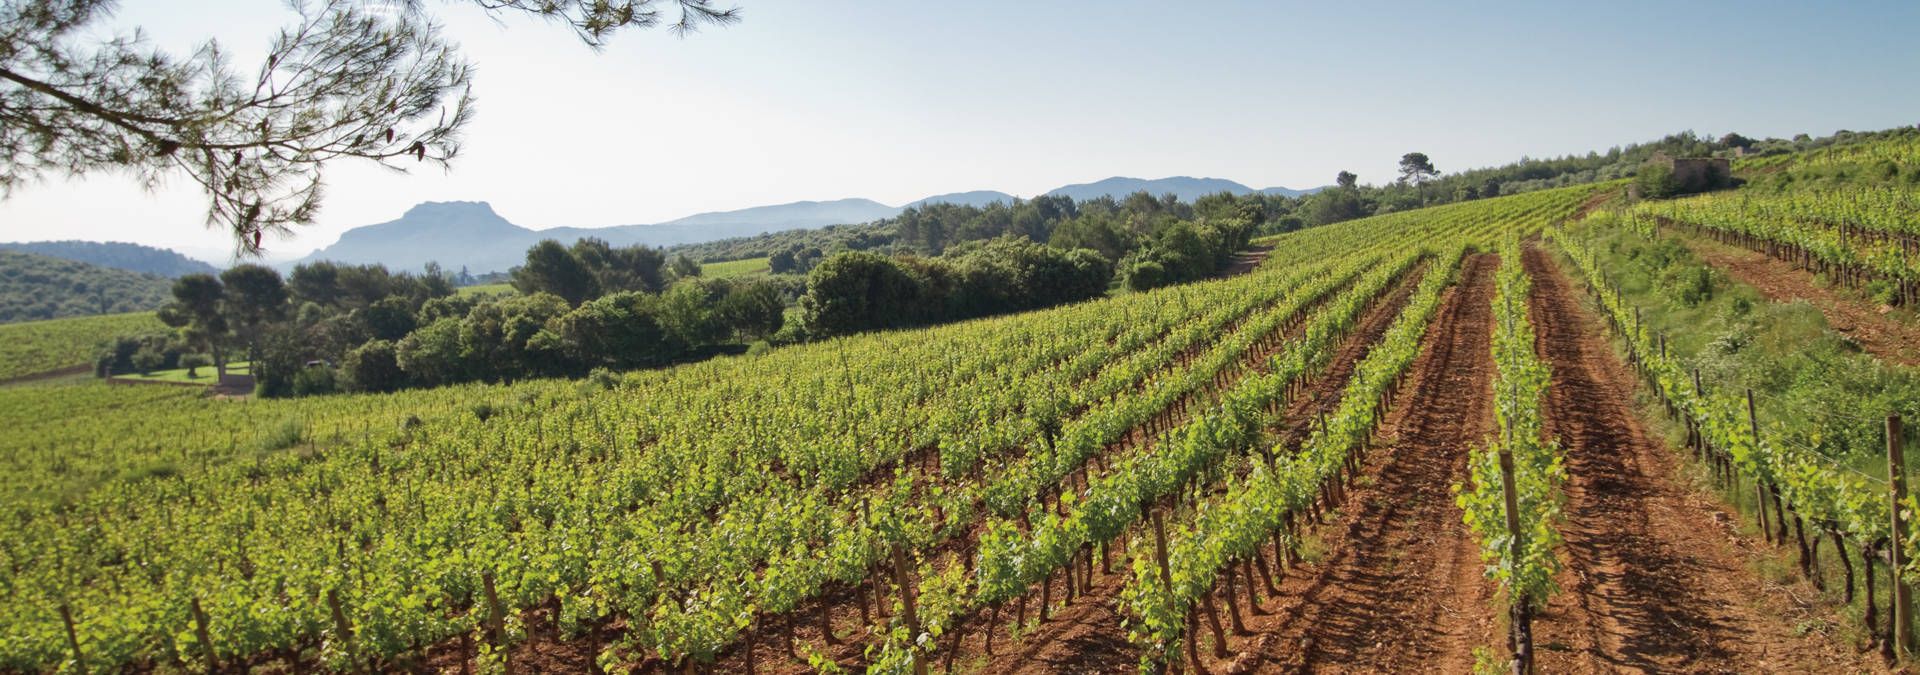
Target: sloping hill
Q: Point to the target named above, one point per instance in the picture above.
(1187, 188)
(34, 287)
(117, 255)
(973, 198)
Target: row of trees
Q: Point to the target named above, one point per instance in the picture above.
(1113, 227)
(857, 291)
(542, 335)
(329, 327)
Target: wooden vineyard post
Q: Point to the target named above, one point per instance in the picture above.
(1166, 582)
(340, 625)
(1897, 486)
(496, 623)
(205, 636)
(1699, 439)
(1521, 635)
(73, 638)
(1759, 489)
(908, 612)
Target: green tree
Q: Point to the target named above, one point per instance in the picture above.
(857, 291)
(193, 363)
(1416, 169)
(196, 313)
(254, 298)
(79, 97)
(1332, 206)
(551, 268)
(389, 319)
(621, 330)
(433, 356)
(783, 261)
(374, 366)
(683, 267)
(629, 268)
(1346, 180)
(753, 310)
(148, 359)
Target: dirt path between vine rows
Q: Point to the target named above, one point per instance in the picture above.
(1400, 587)
(1887, 337)
(1653, 578)
(1247, 260)
(843, 604)
(1088, 635)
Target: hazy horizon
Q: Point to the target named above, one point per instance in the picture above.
(896, 103)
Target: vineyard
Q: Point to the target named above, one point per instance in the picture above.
(1439, 437)
(36, 347)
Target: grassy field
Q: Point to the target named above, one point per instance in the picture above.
(43, 346)
(486, 289)
(204, 375)
(734, 268)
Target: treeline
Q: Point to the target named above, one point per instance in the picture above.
(329, 327)
(1349, 199)
(860, 290)
(35, 287)
(1113, 227)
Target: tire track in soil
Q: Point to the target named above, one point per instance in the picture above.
(1401, 588)
(1088, 636)
(1651, 578)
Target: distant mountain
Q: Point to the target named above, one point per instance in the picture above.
(1290, 192)
(454, 234)
(704, 227)
(117, 255)
(1187, 188)
(34, 287)
(470, 235)
(974, 198)
(796, 214)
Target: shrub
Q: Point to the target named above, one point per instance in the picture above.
(194, 362)
(1689, 285)
(284, 435)
(148, 359)
(373, 366)
(313, 381)
(1656, 181)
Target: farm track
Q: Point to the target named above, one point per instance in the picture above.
(1889, 338)
(1654, 577)
(1246, 261)
(1088, 635)
(1400, 587)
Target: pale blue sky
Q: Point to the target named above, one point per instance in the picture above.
(895, 101)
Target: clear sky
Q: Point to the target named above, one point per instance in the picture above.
(895, 101)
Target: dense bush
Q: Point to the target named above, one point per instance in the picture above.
(1185, 252)
(1656, 181)
(116, 356)
(374, 366)
(858, 291)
